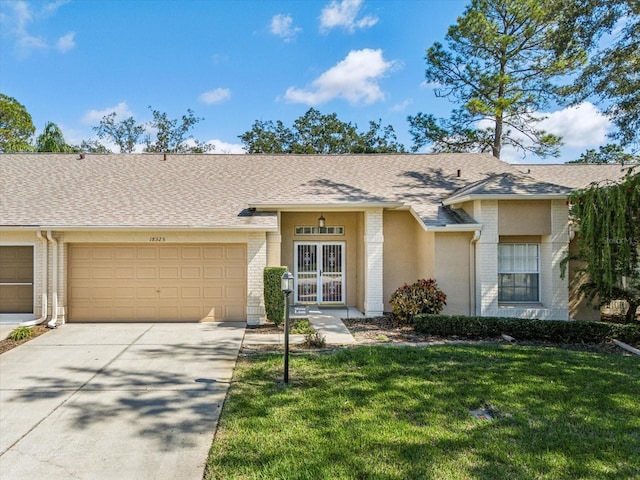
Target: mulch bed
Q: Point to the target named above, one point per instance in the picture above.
(6, 344)
(380, 330)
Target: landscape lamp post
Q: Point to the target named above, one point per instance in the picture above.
(286, 284)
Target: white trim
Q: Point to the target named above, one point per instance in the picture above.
(460, 227)
(504, 196)
(324, 207)
(145, 228)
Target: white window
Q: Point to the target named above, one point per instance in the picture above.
(518, 272)
(319, 230)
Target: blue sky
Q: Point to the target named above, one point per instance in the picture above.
(234, 62)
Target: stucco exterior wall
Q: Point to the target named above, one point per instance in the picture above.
(580, 307)
(409, 252)
(352, 238)
(453, 270)
(524, 217)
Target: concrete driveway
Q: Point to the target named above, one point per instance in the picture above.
(115, 401)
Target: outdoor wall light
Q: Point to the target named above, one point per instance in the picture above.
(321, 221)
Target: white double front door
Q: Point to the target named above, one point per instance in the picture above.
(319, 271)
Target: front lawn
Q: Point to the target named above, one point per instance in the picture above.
(403, 412)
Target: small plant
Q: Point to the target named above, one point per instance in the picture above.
(20, 333)
(422, 297)
(301, 326)
(315, 340)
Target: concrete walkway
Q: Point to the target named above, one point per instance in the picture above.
(327, 321)
(115, 401)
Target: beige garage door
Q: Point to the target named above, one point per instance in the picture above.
(172, 283)
(16, 279)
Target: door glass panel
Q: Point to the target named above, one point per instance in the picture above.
(332, 273)
(307, 280)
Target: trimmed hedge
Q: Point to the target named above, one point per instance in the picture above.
(273, 296)
(557, 331)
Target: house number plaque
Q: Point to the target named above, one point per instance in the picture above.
(157, 239)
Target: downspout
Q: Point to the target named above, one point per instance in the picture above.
(43, 316)
(54, 282)
(472, 272)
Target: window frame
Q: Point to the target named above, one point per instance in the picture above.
(309, 230)
(515, 271)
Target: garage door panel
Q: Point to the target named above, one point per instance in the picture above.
(213, 292)
(168, 293)
(147, 253)
(234, 272)
(146, 293)
(146, 273)
(124, 253)
(170, 273)
(123, 273)
(124, 293)
(101, 273)
(169, 253)
(192, 253)
(235, 253)
(234, 292)
(157, 282)
(234, 312)
(213, 253)
(191, 273)
(214, 273)
(102, 253)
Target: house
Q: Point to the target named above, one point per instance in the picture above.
(164, 237)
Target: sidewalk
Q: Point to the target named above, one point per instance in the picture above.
(326, 321)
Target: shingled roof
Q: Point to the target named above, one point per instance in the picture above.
(229, 191)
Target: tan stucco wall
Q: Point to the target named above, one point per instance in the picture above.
(452, 270)
(351, 221)
(580, 307)
(524, 217)
(408, 252)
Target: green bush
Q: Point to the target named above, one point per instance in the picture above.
(273, 296)
(301, 326)
(422, 297)
(20, 333)
(557, 331)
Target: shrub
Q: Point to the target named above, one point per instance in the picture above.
(422, 297)
(301, 326)
(20, 333)
(314, 340)
(273, 296)
(558, 331)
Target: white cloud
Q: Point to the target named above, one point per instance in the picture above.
(343, 14)
(282, 26)
(399, 107)
(580, 126)
(17, 19)
(430, 85)
(355, 79)
(217, 95)
(66, 42)
(94, 116)
(224, 147)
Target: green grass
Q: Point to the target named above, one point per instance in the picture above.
(403, 413)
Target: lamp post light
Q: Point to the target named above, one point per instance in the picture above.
(286, 284)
